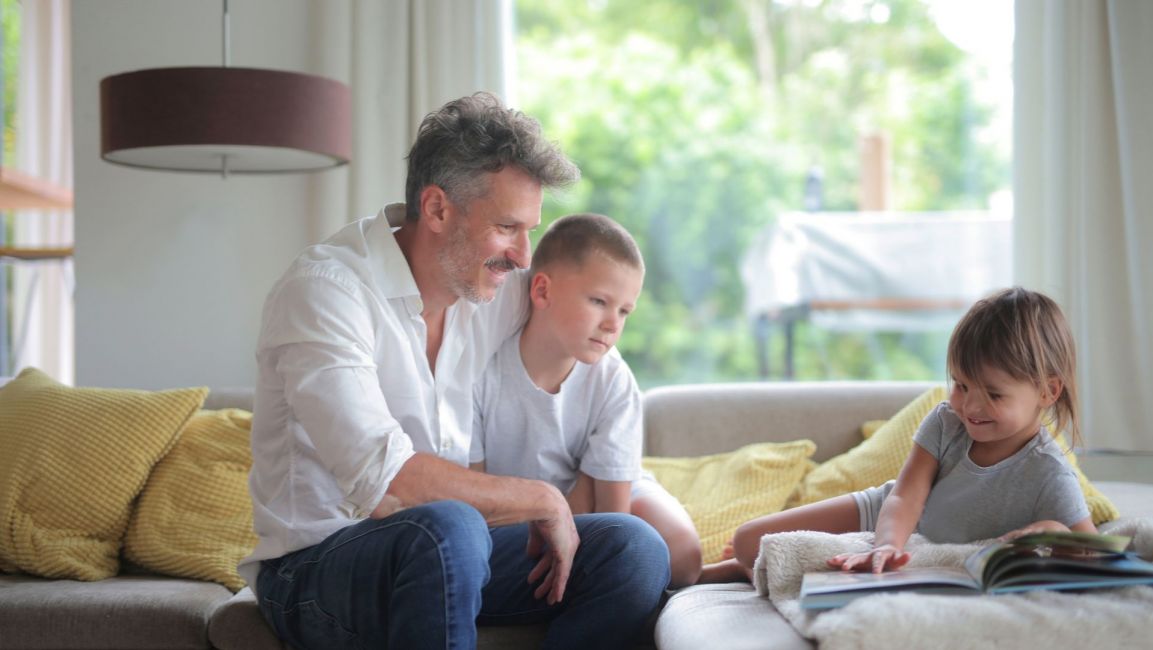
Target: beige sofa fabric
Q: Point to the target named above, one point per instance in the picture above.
(694, 420)
(128, 612)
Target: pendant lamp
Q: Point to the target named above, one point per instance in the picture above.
(225, 120)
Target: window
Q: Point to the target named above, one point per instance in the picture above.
(706, 128)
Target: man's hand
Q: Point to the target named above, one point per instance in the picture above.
(554, 541)
(879, 559)
(502, 500)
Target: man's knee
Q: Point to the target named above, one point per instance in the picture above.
(450, 526)
(631, 550)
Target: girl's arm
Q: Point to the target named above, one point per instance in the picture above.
(898, 517)
(1049, 525)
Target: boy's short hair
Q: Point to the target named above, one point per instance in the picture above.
(573, 238)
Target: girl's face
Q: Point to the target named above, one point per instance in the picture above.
(1009, 415)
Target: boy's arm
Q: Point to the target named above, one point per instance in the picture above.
(592, 495)
(582, 497)
(612, 496)
(898, 517)
(477, 467)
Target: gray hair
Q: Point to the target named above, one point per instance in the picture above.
(458, 145)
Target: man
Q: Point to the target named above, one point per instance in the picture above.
(372, 531)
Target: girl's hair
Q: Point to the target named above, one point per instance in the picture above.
(1024, 334)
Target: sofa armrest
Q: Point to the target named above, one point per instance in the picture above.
(226, 398)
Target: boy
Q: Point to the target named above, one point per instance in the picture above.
(558, 403)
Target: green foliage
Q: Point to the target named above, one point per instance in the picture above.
(694, 123)
(10, 24)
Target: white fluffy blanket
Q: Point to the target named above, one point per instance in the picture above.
(1106, 618)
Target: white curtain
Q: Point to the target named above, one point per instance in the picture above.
(42, 308)
(403, 59)
(1084, 196)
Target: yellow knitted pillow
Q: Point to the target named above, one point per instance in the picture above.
(869, 427)
(874, 461)
(194, 517)
(722, 491)
(1100, 507)
(71, 462)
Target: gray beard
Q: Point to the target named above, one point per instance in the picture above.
(455, 259)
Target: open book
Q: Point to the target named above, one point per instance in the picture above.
(1066, 561)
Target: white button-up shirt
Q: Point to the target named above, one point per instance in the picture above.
(344, 394)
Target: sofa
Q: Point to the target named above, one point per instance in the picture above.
(139, 609)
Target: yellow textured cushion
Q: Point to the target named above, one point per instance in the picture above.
(71, 462)
(870, 427)
(874, 461)
(1100, 507)
(194, 517)
(722, 491)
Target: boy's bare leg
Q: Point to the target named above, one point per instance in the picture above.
(664, 513)
(835, 515)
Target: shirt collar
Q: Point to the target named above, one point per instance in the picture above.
(391, 271)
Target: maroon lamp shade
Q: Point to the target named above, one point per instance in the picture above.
(225, 120)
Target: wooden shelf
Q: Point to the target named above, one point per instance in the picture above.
(22, 253)
(19, 191)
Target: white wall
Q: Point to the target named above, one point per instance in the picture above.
(171, 268)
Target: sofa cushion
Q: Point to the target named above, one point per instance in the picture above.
(239, 625)
(71, 462)
(722, 491)
(731, 616)
(194, 516)
(125, 612)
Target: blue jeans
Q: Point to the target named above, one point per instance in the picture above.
(424, 577)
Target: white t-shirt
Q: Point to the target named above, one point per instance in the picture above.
(593, 424)
(344, 395)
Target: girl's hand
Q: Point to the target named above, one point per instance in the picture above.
(881, 558)
(1044, 526)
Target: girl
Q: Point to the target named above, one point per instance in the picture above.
(983, 463)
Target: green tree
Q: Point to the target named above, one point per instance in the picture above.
(695, 123)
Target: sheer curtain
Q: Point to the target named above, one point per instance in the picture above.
(42, 307)
(1084, 196)
(402, 58)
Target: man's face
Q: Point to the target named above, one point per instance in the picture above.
(490, 238)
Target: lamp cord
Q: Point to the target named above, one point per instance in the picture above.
(224, 35)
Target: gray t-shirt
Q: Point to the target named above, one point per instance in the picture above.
(969, 502)
(593, 424)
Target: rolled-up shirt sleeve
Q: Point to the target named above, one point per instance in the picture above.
(324, 337)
